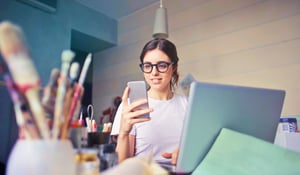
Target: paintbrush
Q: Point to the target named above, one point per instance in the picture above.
(74, 70)
(77, 95)
(22, 113)
(67, 57)
(23, 71)
(49, 94)
(79, 88)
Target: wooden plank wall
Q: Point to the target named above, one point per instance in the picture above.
(241, 42)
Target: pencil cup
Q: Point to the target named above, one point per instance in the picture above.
(46, 157)
(94, 139)
(78, 137)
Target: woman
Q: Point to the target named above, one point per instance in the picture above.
(160, 134)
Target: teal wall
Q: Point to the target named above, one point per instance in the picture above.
(47, 35)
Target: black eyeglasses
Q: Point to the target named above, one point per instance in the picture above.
(161, 66)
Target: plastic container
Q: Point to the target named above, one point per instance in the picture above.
(46, 157)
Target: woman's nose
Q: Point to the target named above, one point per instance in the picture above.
(154, 71)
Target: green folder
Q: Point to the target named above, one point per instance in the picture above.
(234, 153)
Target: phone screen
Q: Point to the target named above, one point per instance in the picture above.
(138, 91)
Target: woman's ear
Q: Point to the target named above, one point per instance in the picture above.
(175, 68)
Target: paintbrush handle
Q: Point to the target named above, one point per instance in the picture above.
(85, 69)
(38, 112)
(67, 57)
(22, 114)
(73, 108)
(67, 105)
(23, 71)
(49, 94)
(25, 123)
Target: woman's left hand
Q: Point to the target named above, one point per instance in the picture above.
(173, 156)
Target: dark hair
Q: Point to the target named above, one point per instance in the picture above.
(169, 49)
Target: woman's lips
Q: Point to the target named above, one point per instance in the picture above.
(156, 80)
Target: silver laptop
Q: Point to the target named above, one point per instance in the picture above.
(252, 111)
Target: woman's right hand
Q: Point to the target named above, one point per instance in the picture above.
(131, 112)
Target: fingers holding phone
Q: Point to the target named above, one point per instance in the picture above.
(138, 97)
(133, 111)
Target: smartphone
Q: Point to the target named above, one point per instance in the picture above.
(138, 91)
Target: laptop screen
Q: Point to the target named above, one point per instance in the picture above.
(249, 110)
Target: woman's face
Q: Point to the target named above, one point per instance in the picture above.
(157, 80)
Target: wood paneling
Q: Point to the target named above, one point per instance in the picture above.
(242, 42)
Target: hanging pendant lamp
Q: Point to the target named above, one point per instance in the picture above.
(160, 29)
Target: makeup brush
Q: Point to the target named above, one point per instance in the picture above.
(24, 74)
(66, 57)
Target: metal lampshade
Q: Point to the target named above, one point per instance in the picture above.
(160, 29)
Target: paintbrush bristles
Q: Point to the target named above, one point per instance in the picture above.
(11, 38)
(16, 55)
(74, 70)
(67, 56)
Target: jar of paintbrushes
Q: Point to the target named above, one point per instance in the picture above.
(44, 114)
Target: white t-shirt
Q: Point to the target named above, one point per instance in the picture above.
(160, 134)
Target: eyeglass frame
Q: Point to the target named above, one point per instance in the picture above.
(152, 65)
